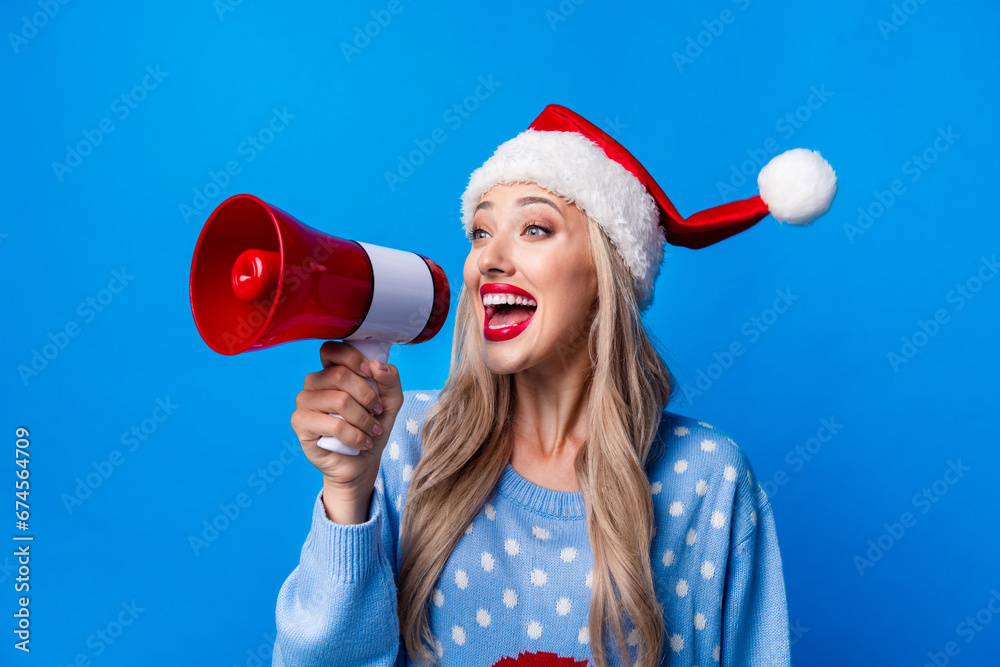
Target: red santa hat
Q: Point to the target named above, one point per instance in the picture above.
(569, 156)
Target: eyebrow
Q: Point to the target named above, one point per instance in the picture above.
(523, 201)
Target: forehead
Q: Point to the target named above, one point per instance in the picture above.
(519, 190)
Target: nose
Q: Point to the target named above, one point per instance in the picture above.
(495, 257)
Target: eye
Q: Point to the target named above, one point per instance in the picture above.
(472, 234)
(534, 226)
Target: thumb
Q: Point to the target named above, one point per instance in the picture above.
(389, 387)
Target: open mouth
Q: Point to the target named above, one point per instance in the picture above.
(506, 310)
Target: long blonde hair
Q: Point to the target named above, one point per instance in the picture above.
(467, 439)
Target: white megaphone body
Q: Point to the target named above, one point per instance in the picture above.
(259, 278)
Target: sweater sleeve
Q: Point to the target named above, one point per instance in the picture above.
(338, 606)
(755, 611)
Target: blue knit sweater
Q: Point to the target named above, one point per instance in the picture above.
(518, 582)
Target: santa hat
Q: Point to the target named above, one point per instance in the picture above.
(569, 156)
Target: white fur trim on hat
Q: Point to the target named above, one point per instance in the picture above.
(798, 186)
(571, 166)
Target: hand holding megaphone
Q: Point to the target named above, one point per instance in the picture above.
(259, 277)
(373, 351)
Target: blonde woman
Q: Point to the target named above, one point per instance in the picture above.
(543, 507)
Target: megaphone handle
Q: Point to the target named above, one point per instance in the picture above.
(374, 350)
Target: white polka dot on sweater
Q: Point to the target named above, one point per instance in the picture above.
(540, 532)
(469, 529)
(509, 599)
(681, 588)
(680, 466)
(407, 472)
(699, 621)
(458, 634)
(534, 629)
(379, 485)
(701, 488)
(753, 517)
(715, 654)
(394, 450)
(483, 618)
(412, 426)
(681, 430)
(706, 425)
(562, 606)
(462, 579)
(668, 557)
(729, 473)
(718, 519)
(584, 635)
(633, 637)
(491, 512)
(438, 597)
(399, 502)
(438, 647)
(422, 397)
(749, 478)
(708, 445)
(655, 488)
(708, 569)
(676, 508)
(590, 579)
(487, 561)
(676, 643)
(539, 577)
(568, 554)
(691, 536)
(511, 547)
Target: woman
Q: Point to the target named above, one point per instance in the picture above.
(543, 507)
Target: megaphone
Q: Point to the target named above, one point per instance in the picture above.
(259, 278)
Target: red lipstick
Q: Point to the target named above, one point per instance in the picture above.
(508, 332)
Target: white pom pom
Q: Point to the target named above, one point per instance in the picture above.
(798, 186)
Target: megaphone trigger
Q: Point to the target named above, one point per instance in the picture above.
(375, 350)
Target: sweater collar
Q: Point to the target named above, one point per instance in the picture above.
(556, 504)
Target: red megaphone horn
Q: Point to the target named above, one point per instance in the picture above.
(259, 278)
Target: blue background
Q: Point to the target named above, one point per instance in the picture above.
(888, 89)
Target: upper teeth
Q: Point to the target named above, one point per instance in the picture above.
(510, 299)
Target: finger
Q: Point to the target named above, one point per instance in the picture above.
(343, 378)
(389, 388)
(338, 402)
(343, 354)
(310, 426)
